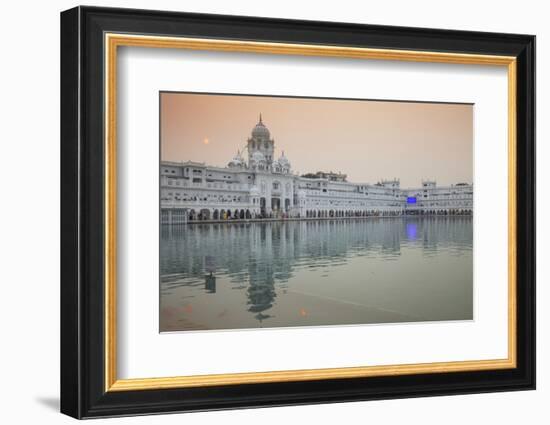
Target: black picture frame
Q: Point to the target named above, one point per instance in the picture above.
(83, 392)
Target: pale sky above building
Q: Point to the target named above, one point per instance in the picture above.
(367, 140)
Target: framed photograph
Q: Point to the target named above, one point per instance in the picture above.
(261, 212)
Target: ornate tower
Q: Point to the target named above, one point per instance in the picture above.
(260, 147)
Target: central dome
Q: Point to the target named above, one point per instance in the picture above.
(260, 131)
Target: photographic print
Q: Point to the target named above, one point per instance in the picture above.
(290, 212)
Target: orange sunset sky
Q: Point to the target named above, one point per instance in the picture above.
(367, 140)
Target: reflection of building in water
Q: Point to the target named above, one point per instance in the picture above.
(265, 255)
(261, 291)
(263, 186)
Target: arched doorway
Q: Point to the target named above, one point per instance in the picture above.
(262, 207)
(205, 214)
(287, 205)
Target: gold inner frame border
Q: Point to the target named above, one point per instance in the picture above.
(113, 40)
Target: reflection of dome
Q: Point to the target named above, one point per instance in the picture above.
(254, 191)
(260, 131)
(258, 157)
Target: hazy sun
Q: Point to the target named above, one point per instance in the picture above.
(206, 141)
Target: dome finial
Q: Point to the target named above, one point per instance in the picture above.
(260, 131)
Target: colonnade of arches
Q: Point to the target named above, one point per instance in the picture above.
(345, 213)
(220, 214)
(176, 216)
(446, 211)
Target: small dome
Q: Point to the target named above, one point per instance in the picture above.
(237, 161)
(254, 191)
(283, 160)
(260, 131)
(275, 166)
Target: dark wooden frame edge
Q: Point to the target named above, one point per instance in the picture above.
(82, 220)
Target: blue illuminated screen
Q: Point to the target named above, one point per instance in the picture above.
(411, 200)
